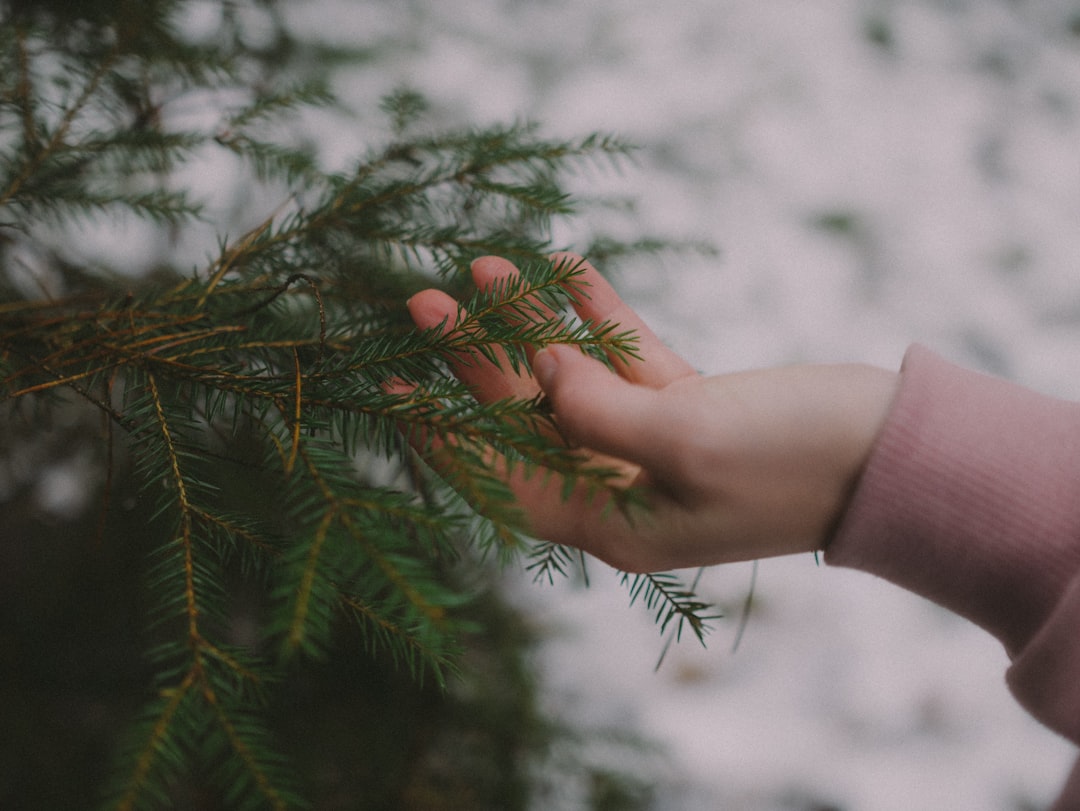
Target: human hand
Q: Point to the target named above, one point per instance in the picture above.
(732, 467)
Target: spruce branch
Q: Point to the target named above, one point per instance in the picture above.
(191, 607)
(247, 766)
(665, 595)
(250, 397)
(548, 560)
(157, 757)
(38, 154)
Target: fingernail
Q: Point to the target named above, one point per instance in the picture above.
(544, 366)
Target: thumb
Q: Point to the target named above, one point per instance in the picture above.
(593, 406)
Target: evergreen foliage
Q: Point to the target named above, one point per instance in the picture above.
(254, 504)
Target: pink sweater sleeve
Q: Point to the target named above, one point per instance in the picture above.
(971, 498)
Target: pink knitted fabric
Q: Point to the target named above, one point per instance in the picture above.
(971, 498)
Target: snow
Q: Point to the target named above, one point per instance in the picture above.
(875, 173)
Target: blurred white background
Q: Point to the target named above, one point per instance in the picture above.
(874, 173)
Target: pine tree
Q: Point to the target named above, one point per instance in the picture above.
(252, 501)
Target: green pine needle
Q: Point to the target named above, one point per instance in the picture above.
(248, 396)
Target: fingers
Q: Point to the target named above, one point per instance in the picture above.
(598, 302)
(596, 408)
(595, 300)
(541, 505)
(490, 271)
(488, 381)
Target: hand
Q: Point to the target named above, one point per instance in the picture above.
(733, 467)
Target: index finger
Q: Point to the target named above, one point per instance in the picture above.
(597, 302)
(488, 380)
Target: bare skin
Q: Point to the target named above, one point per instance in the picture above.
(733, 467)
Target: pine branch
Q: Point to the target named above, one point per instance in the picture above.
(39, 154)
(340, 564)
(250, 393)
(550, 559)
(670, 600)
(156, 755)
(246, 766)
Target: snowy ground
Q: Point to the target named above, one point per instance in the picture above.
(875, 173)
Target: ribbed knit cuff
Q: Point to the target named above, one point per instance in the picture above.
(971, 498)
